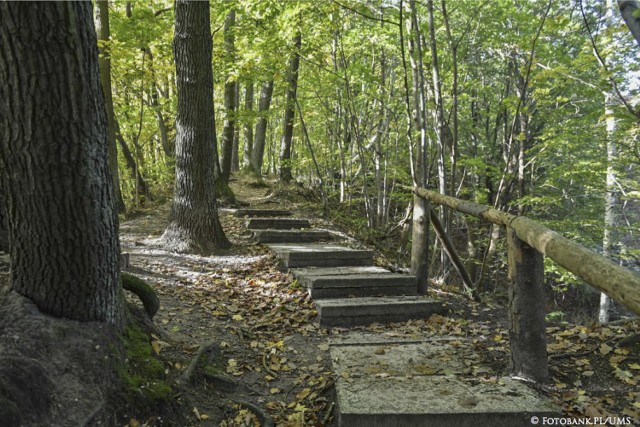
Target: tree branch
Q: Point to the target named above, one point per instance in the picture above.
(600, 59)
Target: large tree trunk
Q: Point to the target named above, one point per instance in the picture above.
(261, 127)
(289, 111)
(229, 101)
(104, 34)
(193, 222)
(54, 161)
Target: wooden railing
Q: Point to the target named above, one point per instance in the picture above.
(527, 242)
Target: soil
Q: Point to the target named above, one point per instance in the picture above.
(239, 345)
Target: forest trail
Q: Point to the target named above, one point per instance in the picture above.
(273, 358)
(383, 380)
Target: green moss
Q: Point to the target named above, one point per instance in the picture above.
(224, 193)
(212, 370)
(140, 370)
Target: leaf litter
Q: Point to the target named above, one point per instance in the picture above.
(278, 358)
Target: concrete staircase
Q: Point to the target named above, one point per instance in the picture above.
(347, 288)
(382, 382)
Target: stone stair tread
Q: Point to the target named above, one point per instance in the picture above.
(335, 271)
(419, 384)
(277, 223)
(358, 280)
(383, 309)
(320, 255)
(257, 212)
(289, 236)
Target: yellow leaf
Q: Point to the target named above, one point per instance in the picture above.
(269, 378)
(274, 390)
(426, 370)
(635, 366)
(236, 317)
(303, 394)
(605, 349)
(344, 374)
(218, 313)
(204, 417)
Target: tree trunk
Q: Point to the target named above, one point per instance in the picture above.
(421, 207)
(248, 125)
(167, 146)
(193, 222)
(141, 184)
(53, 147)
(104, 34)
(609, 240)
(235, 151)
(229, 101)
(261, 127)
(289, 112)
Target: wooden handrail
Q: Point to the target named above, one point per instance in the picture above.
(621, 284)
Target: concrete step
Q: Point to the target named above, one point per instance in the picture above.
(384, 382)
(277, 223)
(336, 282)
(289, 236)
(348, 312)
(256, 212)
(320, 255)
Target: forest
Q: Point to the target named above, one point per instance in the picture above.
(528, 107)
(138, 128)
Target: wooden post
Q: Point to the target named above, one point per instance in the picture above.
(420, 243)
(526, 310)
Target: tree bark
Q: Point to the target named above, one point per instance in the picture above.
(193, 222)
(104, 34)
(261, 127)
(289, 111)
(4, 224)
(54, 161)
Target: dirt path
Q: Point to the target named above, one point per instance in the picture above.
(260, 323)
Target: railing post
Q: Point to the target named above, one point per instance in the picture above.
(526, 310)
(420, 243)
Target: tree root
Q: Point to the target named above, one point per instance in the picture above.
(204, 348)
(145, 292)
(263, 417)
(629, 341)
(266, 368)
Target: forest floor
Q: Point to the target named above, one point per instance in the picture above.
(275, 358)
(266, 357)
